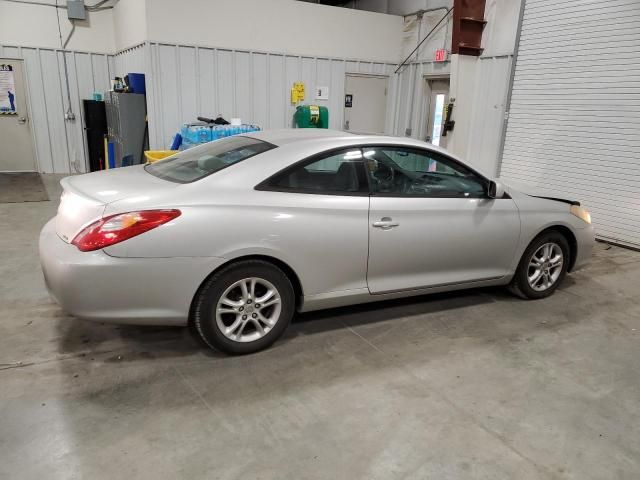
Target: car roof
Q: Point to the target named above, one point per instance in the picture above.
(285, 136)
(296, 144)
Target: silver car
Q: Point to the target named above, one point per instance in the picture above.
(237, 235)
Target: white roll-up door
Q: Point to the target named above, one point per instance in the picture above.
(574, 117)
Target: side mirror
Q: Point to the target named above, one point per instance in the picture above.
(495, 190)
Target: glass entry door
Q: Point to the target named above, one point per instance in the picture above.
(437, 98)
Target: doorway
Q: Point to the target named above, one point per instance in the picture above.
(365, 105)
(17, 153)
(437, 95)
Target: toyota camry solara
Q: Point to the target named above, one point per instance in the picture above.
(237, 235)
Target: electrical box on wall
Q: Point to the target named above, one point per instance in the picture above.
(76, 10)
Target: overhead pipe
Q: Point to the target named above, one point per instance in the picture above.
(423, 11)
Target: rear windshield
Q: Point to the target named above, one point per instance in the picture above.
(191, 165)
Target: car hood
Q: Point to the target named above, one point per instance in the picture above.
(534, 191)
(85, 197)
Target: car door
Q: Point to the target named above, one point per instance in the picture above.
(317, 213)
(432, 224)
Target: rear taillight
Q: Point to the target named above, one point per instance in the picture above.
(117, 228)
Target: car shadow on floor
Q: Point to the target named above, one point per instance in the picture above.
(112, 342)
(83, 338)
(382, 311)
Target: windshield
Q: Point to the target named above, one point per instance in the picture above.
(191, 165)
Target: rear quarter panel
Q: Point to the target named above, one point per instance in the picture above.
(323, 238)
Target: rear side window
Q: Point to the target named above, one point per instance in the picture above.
(339, 172)
(191, 165)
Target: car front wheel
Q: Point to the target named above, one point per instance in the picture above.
(245, 307)
(543, 266)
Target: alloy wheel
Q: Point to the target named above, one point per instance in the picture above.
(545, 267)
(248, 309)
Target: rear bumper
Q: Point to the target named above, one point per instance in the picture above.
(585, 240)
(96, 286)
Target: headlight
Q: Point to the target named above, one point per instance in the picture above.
(581, 213)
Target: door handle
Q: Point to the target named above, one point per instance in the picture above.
(385, 223)
(22, 120)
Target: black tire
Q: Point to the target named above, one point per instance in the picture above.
(520, 284)
(207, 298)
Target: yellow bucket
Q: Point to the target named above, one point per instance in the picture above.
(155, 155)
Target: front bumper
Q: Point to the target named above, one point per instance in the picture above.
(96, 286)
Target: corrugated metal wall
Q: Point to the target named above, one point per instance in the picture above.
(487, 112)
(59, 144)
(412, 78)
(131, 60)
(188, 81)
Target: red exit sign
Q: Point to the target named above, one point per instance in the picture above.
(441, 55)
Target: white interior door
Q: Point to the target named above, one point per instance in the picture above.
(437, 98)
(365, 104)
(16, 141)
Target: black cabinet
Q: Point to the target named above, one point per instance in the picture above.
(95, 118)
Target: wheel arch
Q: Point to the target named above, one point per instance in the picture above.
(567, 233)
(282, 265)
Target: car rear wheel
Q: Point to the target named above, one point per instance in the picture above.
(543, 266)
(244, 308)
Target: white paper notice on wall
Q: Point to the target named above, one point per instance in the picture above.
(322, 93)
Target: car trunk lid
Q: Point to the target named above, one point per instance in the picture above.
(85, 197)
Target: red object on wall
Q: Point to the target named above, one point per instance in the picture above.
(441, 55)
(468, 23)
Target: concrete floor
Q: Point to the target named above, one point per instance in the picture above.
(476, 385)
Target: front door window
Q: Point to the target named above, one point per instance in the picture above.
(403, 172)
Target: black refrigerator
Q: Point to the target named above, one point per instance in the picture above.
(95, 119)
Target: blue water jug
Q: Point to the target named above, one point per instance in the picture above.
(204, 135)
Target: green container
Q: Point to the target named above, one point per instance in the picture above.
(311, 116)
